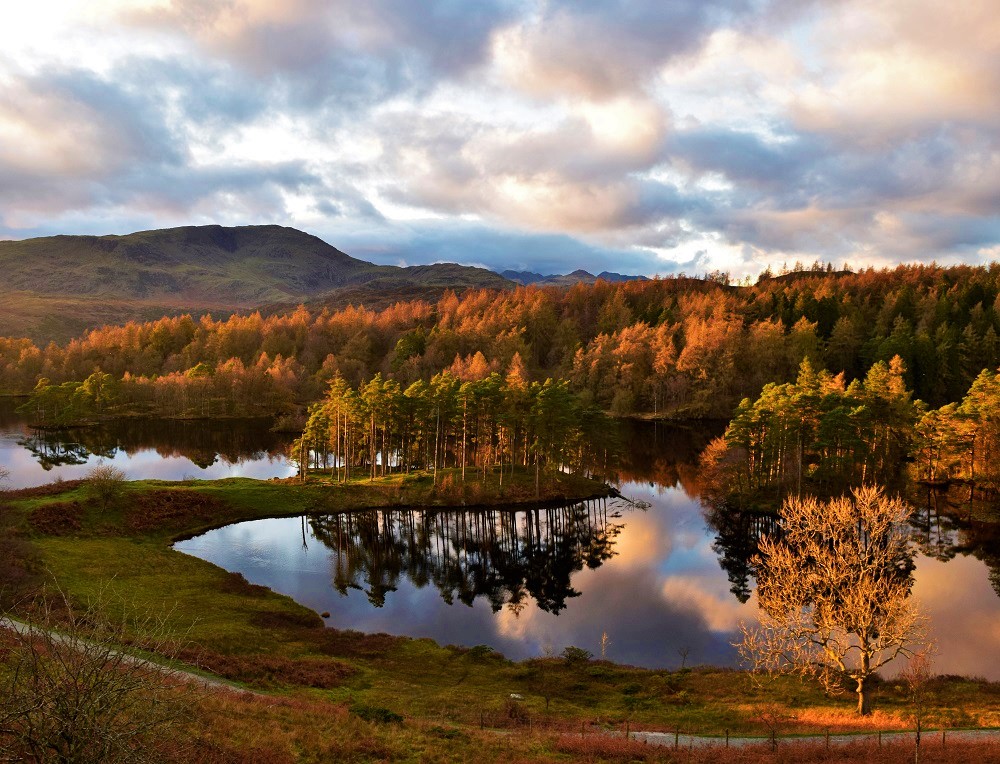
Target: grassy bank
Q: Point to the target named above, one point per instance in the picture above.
(337, 694)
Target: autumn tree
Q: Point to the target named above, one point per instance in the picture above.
(834, 592)
(669, 345)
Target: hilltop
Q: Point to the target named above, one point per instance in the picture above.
(60, 286)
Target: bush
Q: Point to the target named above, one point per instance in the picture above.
(376, 714)
(482, 653)
(106, 484)
(72, 691)
(575, 656)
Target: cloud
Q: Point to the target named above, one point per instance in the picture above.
(601, 50)
(896, 69)
(727, 133)
(315, 50)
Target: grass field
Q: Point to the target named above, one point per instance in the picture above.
(336, 694)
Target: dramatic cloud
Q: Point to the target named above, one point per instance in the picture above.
(545, 134)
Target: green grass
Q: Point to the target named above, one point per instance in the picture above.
(442, 692)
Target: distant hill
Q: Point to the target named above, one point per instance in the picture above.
(56, 287)
(576, 277)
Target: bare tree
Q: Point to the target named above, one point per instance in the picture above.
(4, 477)
(683, 652)
(106, 483)
(833, 590)
(917, 680)
(72, 691)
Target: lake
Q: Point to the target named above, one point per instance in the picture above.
(666, 583)
(162, 449)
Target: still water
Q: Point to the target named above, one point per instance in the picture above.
(165, 450)
(667, 584)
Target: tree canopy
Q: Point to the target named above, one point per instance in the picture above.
(691, 347)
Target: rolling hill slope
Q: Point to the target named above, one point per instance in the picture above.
(57, 287)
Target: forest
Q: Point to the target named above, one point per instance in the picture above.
(679, 346)
(820, 435)
(495, 422)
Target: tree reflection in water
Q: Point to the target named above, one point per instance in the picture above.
(946, 524)
(737, 535)
(949, 523)
(504, 556)
(203, 443)
(56, 449)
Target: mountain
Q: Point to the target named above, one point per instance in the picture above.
(576, 277)
(59, 286)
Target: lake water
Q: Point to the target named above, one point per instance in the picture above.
(666, 583)
(167, 450)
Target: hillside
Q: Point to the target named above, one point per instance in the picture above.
(58, 286)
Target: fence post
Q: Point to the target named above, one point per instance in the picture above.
(627, 728)
(943, 731)
(880, 738)
(828, 738)
(774, 740)
(677, 738)
(727, 737)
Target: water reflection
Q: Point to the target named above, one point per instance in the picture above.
(947, 526)
(677, 577)
(503, 557)
(737, 536)
(165, 449)
(522, 582)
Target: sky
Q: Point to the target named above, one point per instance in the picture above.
(651, 136)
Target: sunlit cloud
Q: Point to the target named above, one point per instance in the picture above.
(721, 611)
(719, 135)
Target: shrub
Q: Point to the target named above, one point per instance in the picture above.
(106, 484)
(376, 714)
(77, 695)
(575, 656)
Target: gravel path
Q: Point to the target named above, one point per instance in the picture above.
(671, 739)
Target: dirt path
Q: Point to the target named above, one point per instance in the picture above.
(22, 628)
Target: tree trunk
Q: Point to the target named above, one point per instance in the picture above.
(864, 698)
(437, 434)
(372, 449)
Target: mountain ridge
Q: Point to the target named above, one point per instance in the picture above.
(568, 279)
(57, 287)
